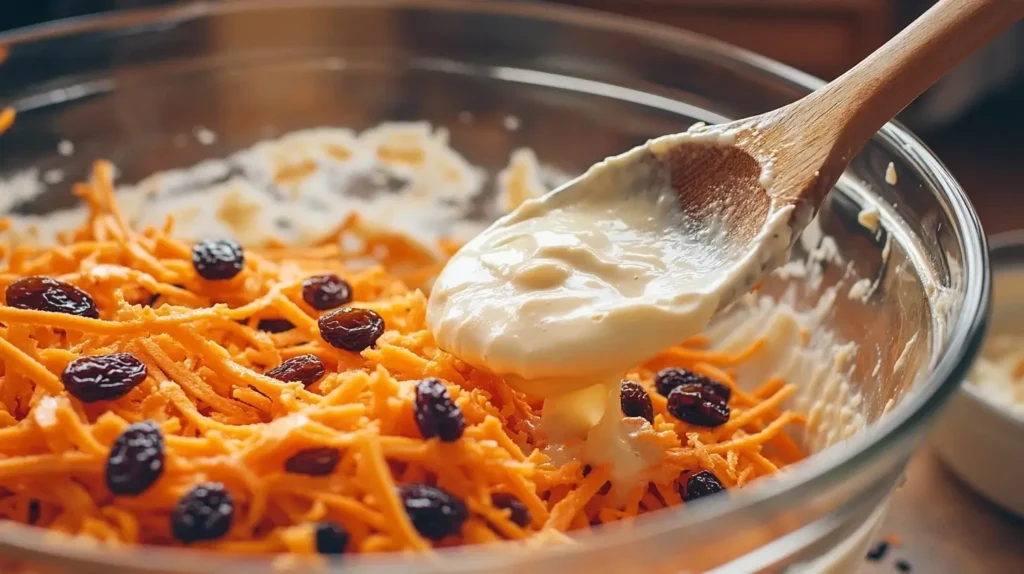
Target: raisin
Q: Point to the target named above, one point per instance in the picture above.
(305, 369)
(351, 329)
(33, 511)
(331, 538)
(701, 484)
(103, 377)
(136, 459)
(275, 325)
(434, 512)
(436, 414)
(319, 461)
(698, 405)
(218, 259)
(46, 294)
(878, 551)
(672, 378)
(518, 512)
(323, 292)
(635, 401)
(204, 513)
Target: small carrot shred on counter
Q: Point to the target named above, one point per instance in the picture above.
(229, 435)
(6, 118)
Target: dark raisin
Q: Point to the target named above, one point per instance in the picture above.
(635, 401)
(518, 512)
(204, 513)
(701, 484)
(698, 406)
(45, 294)
(218, 259)
(319, 461)
(103, 377)
(136, 459)
(34, 510)
(673, 377)
(275, 325)
(903, 566)
(323, 292)
(331, 538)
(434, 512)
(876, 553)
(305, 369)
(436, 414)
(351, 329)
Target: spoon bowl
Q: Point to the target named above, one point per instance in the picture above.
(719, 183)
(720, 191)
(751, 186)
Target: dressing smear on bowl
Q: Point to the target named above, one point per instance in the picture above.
(311, 430)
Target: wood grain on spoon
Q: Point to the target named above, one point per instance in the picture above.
(807, 145)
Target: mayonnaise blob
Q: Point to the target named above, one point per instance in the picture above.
(569, 291)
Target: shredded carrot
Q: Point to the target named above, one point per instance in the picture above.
(1018, 371)
(6, 118)
(224, 420)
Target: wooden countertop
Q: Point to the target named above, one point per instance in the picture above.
(944, 527)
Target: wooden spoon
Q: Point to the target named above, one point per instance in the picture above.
(745, 174)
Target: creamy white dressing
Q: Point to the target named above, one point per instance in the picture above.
(627, 445)
(569, 291)
(546, 295)
(891, 176)
(45, 413)
(869, 218)
(862, 289)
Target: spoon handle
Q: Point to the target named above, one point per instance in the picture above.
(871, 93)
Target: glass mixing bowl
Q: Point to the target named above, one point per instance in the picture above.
(582, 86)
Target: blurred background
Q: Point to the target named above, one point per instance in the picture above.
(969, 118)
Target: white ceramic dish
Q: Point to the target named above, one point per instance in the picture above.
(978, 436)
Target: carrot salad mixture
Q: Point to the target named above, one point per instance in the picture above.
(283, 399)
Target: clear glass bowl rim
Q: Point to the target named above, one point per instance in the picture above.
(821, 471)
